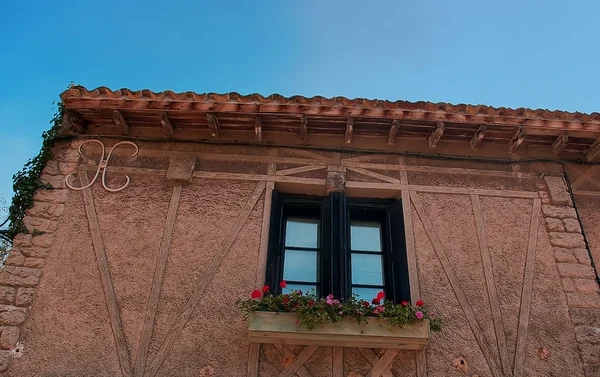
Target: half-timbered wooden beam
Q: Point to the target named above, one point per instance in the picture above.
(593, 152)
(559, 144)
(516, 140)
(303, 128)
(393, 131)
(478, 137)
(213, 125)
(120, 121)
(349, 130)
(436, 134)
(166, 124)
(74, 121)
(258, 129)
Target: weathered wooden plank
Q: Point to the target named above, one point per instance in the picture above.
(258, 128)
(383, 363)
(337, 362)
(516, 140)
(585, 175)
(593, 151)
(375, 175)
(157, 282)
(349, 131)
(308, 154)
(74, 121)
(298, 361)
(393, 131)
(286, 352)
(491, 284)
(421, 360)
(253, 359)
(259, 177)
(373, 359)
(303, 128)
(456, 287)
(300, 169)
(478, 137)
(436, 135)
(175, 331)
(121, 122)
(213, 125)
(166, 124)
(559, 144)
(107, 285)
(266, 221)
(527, 290)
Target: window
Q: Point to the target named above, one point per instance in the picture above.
(338, 245)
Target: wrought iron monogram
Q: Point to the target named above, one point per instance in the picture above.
(102, 165)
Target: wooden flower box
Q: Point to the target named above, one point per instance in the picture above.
(281, 328)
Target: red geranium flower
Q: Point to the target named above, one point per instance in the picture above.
(404, 303)
(283, 284)
(266, 289)
(311, 303)
(376, 301)
(419, 303)
(285, 300)
(380, 295)
(366, 304)
(256, 294)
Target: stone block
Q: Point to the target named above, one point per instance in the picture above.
(51, 196)
(56, 181)
(564, 255)
(39, 224)
(15, 258)
(181, 168)
(554, 225)
(43, 240)
(34, 262)
(559, 192)
(24, 296)
(575, 270)
(5, 359)
(7, 295)
(36, 252)
(590, 353)
(20, 276)
(567, 240)
(586, 285)
(9, 337)
(22, 240)
(572, 225)
(581, 316)
(49, 211)
(559, 212)
(587, 334)
(568, 285)
(583, 300)
(51, 168)
(12, 315)
(67, 167)
(66, 155)
(582, 256)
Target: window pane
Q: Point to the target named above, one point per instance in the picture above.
(302, 232)
(366, 294)
(300, 287)
(365, 235)
(367, 269)
(300, 265)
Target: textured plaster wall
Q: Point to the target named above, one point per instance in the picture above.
(589, 210)
(68, 332)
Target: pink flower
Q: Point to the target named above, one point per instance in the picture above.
(340, 313)
(381, 309)
(419, 315)
(336, 302)
(330, 296)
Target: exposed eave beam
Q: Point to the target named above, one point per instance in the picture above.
(166, 124)
(393, 131)
(349, 130)
(258, 129)
(436, 134)
(303, 128)
(559, 144)
(593, 152)
(74, 121)
(213, 125)
(516, 140)
(478, 137)
(120, 121)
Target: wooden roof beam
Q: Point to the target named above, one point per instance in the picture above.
(559, 144)
(478, 137)
(258, 129)
(593, 152)
(120, 121)
(436, 135)
(516, 140)
(349, 130)
(166, 124)
(303, 128)
(72, 120)
(393, 131)
(213, 125)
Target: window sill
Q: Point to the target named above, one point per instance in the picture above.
(281, 328)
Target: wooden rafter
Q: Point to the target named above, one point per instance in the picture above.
(559, 144)
(436, 135)
(74, 121)
(593, 152)
(349, 130)
(516, 140)
(120, 121)
(166, 124)
(303, 128)
(258, 129)
(478, 137)
(213, 125)
(393, 131)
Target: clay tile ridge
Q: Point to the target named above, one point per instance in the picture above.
(80, 92)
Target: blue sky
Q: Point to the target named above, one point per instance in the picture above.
(540, 54)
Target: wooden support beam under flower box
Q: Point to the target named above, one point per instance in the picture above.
(281, 328)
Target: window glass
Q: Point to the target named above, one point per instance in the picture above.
(305, 288)
(365, 235)
(366, 294)
(302, 233)
(367, 269)
(300, 265)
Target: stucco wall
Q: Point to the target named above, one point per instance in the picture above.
(67, 330)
